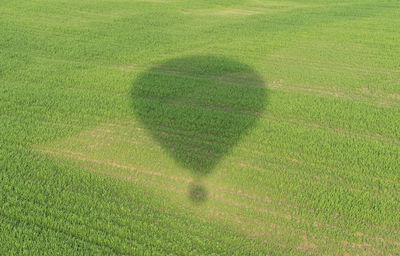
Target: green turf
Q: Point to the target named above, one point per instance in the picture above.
(160, 127)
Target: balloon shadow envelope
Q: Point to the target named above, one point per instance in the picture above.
(198, 107)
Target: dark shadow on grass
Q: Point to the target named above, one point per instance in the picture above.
(198, 108)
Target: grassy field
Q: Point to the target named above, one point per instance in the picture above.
(172, 127)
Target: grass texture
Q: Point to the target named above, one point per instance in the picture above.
(202, 127)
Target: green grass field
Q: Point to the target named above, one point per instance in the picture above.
(179, 127)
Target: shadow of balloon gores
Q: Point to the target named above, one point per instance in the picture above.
(206, 103)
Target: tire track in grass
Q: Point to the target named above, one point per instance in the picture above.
(271, 117)
(355, 94)
(333, 65)
(323, 127)
(244, 148)
(242, 221)
(341, 132)
(102, 131)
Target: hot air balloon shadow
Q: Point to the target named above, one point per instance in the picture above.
(206, 103)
